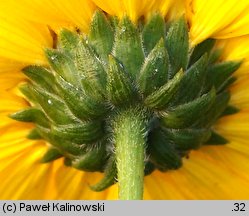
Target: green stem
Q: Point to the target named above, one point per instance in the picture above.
(129, 129)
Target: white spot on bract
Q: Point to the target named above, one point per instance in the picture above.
(49, 102)
(98, 58)
(53, 57)
(121, 65)
(123, 29)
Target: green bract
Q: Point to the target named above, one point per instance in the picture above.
(118, 68)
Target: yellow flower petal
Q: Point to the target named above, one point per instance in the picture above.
(239, 144)
(235, 125)
(11, 102)
(54, 13)
(74, 184)
(13, 146)
(10, 80)
(10, 66)
(135, 8)
(24, 173)
(203, 176)
(238, 27)
(236, 49)
(233, 161)
(240, 93)
(77, 12)
(23, 41)
(216, 18)
(177, 9)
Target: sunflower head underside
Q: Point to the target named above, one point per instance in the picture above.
(75, 102)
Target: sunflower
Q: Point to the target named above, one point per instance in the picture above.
(165, 96)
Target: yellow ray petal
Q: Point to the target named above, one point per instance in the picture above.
(11, 102)
(54, 13)
(177, 9)
(220, 172)
(236, 49)
(236, 125)
(202, 177)
(230, 159)
(10, 80)
(74, 184)
(10, 66)
(10, 74)
(158, 187)
(239, 144)
(135, 8)
(27, 177)
(209, 18)
(20, 166)
(238, 27)
(112, 193)
(77, 12)
(22, 41)
(240, 93)
(11, 128)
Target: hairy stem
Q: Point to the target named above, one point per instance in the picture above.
(130, 138)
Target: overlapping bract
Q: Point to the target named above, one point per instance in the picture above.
(92, 77)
